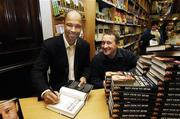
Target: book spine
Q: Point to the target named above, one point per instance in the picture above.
(133, 89)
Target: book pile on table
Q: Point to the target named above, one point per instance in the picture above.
(143, 64)
(131, 96)
(107, 84)
(165, 73)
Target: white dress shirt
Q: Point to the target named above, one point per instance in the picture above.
(70, 49)
(70, 54)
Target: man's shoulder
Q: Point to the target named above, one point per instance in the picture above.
(99, 56)
(82, 41)
(53, 41)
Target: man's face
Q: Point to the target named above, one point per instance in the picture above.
(72, 27)
(154, 27)
(8, 111)
(109, 46)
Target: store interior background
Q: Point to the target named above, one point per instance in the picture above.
(16, 64)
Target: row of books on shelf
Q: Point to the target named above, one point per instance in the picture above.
(120, 17)
(59, 6)
(124, 31)
(127, 5)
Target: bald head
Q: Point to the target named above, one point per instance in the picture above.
(73, 15)
(72, 26)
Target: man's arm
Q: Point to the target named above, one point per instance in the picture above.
(132, 60)
(86, 68)
(96, 74)
(39, 71)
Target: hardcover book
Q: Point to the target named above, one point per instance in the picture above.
(159, 48)
(71, 102)
(160, 76)
(146, 59)
(166, 63)
(165, 72)
(86, 88)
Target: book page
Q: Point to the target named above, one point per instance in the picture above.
(68, 106)
(73, 93)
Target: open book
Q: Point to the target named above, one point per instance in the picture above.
(71, 101)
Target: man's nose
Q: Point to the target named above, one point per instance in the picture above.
(105, 45)
(73, 28)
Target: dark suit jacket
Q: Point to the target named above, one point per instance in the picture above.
(53, 54)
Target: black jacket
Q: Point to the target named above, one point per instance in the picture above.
(123, 61)
(53, 55)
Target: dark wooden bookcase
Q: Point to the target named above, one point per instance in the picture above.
(20, 40)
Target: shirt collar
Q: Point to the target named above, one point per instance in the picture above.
(66, 43)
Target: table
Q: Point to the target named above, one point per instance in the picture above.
(95, 108)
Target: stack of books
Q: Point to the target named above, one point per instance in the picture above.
(107, 82)
(131, 96)
(165, 73)
(143, 64)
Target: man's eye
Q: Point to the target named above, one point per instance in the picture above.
(75, 26)
(7, 110)
(69, 25)
(108, 42)
(102, 43)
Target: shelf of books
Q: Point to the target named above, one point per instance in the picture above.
(127, 17)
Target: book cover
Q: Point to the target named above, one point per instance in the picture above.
(86, 88)
(71, 102)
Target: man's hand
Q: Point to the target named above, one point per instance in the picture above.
(51, 97)
(82, 81)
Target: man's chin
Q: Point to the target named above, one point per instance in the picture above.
(106, 53)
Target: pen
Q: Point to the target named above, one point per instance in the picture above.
(53, 91)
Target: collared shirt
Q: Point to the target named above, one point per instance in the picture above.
(70, 49)
(157, 35)
(123, 61)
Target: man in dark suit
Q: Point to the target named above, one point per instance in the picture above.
(66, 55)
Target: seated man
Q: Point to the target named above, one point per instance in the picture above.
(111, 58)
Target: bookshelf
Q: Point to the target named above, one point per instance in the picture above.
(128, 17)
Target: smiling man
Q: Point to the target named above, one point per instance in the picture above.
(111, 58)
(66, 55)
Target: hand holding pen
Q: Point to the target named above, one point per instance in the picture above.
(51, 96)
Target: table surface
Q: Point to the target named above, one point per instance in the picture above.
(94, 108)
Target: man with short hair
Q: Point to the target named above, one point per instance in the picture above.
(111, 58)
(67, 56)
